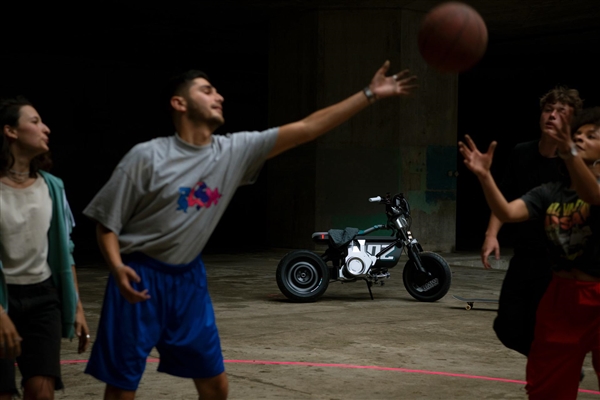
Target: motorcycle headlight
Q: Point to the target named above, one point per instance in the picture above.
(401, 222)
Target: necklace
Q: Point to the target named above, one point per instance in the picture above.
(18, 177)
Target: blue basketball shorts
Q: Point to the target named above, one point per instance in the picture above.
(178, 320)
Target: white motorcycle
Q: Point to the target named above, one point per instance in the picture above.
(352, 255)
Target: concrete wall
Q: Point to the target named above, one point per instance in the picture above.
(398, 145)
(293, 70)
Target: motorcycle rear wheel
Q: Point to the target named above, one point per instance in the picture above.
(423, 287)
(302, 276)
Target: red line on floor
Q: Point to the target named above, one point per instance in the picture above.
(352, 366)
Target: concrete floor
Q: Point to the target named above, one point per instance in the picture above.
(345, 346)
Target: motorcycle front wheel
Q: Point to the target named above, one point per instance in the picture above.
(431, 286)
(302, 276)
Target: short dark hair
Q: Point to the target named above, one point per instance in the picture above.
(565, 95)
(10, 112)
(179, 84)
(589, 116)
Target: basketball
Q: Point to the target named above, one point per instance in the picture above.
(453, 37)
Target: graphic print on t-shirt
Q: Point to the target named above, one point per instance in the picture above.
(567, 226)
(199, 196)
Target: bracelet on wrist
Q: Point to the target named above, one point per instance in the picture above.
(370, 95)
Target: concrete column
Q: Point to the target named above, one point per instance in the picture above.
(404, 145)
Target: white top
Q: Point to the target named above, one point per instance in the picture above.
(25, 216)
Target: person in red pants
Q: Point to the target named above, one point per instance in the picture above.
(568, 317)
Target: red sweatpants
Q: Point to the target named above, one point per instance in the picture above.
(567, 328)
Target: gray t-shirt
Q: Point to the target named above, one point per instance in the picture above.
(166, 196)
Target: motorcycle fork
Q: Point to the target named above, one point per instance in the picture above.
(413, 250)
(416, 259)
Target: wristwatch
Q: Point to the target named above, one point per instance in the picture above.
(570, 154)
(370, 95)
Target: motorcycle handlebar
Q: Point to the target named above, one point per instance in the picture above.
(375, 199)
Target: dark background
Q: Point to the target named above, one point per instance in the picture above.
(95, 72)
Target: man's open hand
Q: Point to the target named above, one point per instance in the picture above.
(398, 84)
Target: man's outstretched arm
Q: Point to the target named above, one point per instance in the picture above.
(480, 163)
(324, 120)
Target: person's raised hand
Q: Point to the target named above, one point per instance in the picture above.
(479, 163)
(124, 275)
(398, 84)
(562, 132)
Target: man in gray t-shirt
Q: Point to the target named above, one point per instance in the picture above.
(166, 196)
(156, 213)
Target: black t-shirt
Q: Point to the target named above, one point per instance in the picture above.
(528, 169)
(571, 226)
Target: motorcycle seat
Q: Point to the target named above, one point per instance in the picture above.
(339, 238)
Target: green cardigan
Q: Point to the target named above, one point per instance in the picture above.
(60, 255)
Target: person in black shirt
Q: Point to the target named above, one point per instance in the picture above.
(530, 165)
(568, 317)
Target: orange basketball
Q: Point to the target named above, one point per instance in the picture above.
(453, 37)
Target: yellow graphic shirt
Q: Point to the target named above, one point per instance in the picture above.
(569, 224)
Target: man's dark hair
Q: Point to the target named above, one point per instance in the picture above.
(179, 84)
(10, 112)
(589, 116)
(565, 95)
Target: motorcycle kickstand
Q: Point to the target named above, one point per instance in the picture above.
(369, 284)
